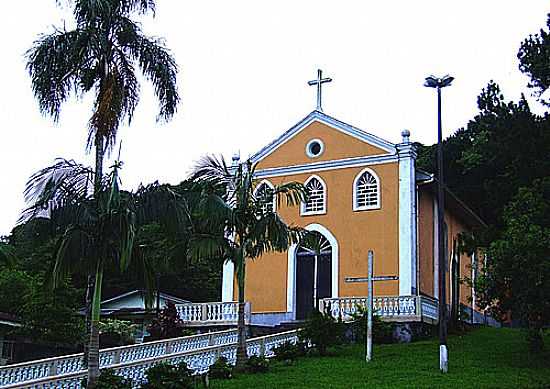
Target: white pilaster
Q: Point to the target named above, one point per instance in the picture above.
(228, 281)
(407, 216)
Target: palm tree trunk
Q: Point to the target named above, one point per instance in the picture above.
(99, 156)
(93, 351)
(242, 354)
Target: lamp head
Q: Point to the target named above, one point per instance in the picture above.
(436, 82)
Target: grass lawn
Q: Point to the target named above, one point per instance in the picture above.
(483, 358)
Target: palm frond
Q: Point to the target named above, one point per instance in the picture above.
(210, 246)
(54, 62)
(164, 205)
(271, 233)
(214, 170)
(157, 64)
(294, 193)
(72, 252)
(60, 185)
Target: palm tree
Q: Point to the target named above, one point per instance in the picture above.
(101, 54)
(98, 226)
(251, 228)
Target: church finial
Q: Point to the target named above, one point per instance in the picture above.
(406, 134)
(319, 81)
(236, 158)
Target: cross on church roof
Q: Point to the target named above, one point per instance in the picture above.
(319, 81)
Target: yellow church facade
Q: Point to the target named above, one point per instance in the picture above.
(365, 193)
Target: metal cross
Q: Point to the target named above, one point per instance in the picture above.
(319, 81)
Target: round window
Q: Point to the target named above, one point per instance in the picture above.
(314, 148)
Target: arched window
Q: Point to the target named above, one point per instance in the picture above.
(366, 191)
(264, 194)
(317, 197)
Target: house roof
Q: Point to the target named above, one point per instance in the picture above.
(116, 304)
(330, 121)
(165, 296)
(452, 201)
(10, 320)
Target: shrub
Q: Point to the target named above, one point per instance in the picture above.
(382, 332)
(115, 332)
(109, 380)
(257, 364)
(167, 325)
(221, 369)
(288, 351)
(321, 331)
(166, 376)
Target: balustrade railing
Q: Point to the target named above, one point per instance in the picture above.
(388, 307)
(197, 360)
(32, 370)
(211, 313)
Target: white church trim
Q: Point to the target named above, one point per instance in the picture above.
(378, 204)
(228, 281)
(291, 271)
(407, 217)
(329, 121)
(326, 165)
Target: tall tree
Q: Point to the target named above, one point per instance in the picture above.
(502, 148)
(101, 54)
(251, 227)
(534, 57)
(98, 227)
(516, 277)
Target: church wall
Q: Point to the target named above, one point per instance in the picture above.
(426, 243)
(337, 146)
(455, 227)
(355, 231)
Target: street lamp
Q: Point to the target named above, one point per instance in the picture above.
(438, 83)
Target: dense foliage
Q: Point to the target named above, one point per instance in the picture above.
(322, 331)
(167, 325)
(109, 380)
(382, 332)
(221, 369)
(517, 276)
(166, 376)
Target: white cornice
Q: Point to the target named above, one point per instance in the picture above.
(326, 165)
(330, 121)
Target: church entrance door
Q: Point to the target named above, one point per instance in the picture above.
(313, 274)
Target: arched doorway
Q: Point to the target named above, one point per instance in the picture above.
(313, 274)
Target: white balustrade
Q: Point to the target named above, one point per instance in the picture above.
(430, 308)
(198, 360)
(33, 370)
(386, 307)
(221, 313)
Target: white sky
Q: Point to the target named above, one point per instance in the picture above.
(244, 67)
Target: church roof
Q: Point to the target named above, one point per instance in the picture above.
(330, 121)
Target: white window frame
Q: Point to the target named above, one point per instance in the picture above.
(378, 196)
(303, 211)
(270, 185)
(309, 154)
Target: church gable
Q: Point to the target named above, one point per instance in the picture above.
(319, 138)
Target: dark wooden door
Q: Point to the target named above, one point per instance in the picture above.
(305, 276)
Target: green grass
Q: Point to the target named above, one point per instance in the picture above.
(483, 358)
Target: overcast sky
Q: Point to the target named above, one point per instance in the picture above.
(244, 67)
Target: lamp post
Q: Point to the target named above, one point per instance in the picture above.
(439, 83)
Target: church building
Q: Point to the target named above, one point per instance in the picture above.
(365, 193)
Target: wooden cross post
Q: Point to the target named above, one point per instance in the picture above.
(370, 279)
